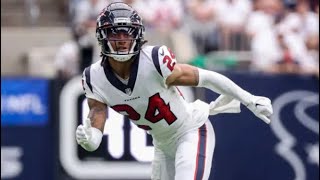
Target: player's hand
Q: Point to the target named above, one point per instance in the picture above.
(261, 107)
(87, 136)
(84, 132)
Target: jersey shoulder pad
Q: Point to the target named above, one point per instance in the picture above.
(87, 85)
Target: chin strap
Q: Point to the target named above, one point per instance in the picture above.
(121, 58)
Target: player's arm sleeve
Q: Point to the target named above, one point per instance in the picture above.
(164, 60)
(223, 85)
(88, 89)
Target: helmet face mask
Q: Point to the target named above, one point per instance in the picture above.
(120, 32)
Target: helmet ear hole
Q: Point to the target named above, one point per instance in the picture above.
(118, 17)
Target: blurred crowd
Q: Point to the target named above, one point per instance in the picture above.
(281, 35)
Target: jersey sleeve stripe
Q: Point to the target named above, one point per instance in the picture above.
(88, 79)
(155, 58)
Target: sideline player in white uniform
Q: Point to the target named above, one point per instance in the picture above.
(140, 82)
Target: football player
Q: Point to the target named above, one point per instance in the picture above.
(141, 82)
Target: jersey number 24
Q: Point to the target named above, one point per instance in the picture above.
(156, 111)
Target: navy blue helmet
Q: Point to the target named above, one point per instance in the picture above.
(115, 18)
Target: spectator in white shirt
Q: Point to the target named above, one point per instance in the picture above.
(260, 28)
(67, 60)
(83, 25)
(231, 16)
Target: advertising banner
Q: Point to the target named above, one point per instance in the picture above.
(24, 101)
(26, 134)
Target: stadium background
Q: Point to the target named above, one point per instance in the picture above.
(42, 100)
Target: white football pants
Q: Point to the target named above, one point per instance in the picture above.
(189, 158)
